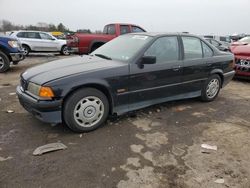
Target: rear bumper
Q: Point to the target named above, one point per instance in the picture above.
(48, 111)
(228, 77)
(16, 57)
(74, 50)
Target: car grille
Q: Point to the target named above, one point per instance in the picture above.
(243, 62)
(24, 84)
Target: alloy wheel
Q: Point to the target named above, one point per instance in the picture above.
(1, 62)
(212, 88)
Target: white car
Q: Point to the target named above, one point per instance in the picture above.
(38, 41)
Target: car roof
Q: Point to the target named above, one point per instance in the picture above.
(31, 31)
(159, 34)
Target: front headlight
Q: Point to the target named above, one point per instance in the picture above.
(34, 88)
(13, 43)
(41, 91)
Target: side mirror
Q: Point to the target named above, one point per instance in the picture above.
(148, 60)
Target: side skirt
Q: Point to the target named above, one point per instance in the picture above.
(126, 108)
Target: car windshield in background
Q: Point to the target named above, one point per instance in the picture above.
(122, 48)
(245, 39)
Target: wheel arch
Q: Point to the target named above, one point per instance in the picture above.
(25, 44)
(96, 42)
(220, 73)
(101, 87)
(5, 51)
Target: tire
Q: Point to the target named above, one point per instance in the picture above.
(26, 50)
(85, 110)
(4, 62)
(211, 88)
(64, 50)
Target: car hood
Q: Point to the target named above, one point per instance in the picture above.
(240, 48)
(5, 37)
(66, 67)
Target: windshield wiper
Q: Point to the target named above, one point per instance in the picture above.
(103, 56)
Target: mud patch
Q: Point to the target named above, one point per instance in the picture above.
(143, 124)
(153, 140)
(204, 169)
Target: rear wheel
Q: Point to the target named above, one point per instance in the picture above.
(26, 50)
(86, 110)
(4, 62)
(64, 50)
(211, 88)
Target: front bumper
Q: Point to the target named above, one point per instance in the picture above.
(228, 77)
(242, 71)
(48, 111)
(16, 57)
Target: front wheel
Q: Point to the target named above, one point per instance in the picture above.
(211, 88)
(4, 62)
(86, 110)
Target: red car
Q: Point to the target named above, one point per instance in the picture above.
(83, 43)
(241, 51)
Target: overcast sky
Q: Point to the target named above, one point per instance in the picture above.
(195, 16)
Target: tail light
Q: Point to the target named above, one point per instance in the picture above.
(71, 39)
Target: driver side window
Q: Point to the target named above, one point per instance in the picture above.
(45, 36)
(164, 49)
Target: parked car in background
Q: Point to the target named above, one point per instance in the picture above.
(84, 43)
(226, 39)
(58, 35)
(221, 46)
(10, 51)
(130, 72)
(38, 41)
(241, 51)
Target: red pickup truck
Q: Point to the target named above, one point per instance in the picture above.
(83, 43)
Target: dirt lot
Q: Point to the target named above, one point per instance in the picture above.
(158, 147)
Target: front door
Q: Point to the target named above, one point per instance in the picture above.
(155, 83)
(48, 43)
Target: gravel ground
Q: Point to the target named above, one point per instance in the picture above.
(158, 146)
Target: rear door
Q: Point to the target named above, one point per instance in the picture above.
(32, 39)
(154, 83)
(197, 56)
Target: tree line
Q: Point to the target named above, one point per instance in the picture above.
(6, 25)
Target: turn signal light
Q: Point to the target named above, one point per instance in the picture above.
(46, 92)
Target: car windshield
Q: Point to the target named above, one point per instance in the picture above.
(245, 39)
(122, 48)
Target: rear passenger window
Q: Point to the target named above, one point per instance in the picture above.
(136, 29)
(215, 43)
(33, 35)
(207, 52)
(124, 29)
(164, 49)
(192, 48)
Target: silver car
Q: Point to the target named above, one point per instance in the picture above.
(38, 41)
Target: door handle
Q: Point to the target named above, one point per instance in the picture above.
(176, 68)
